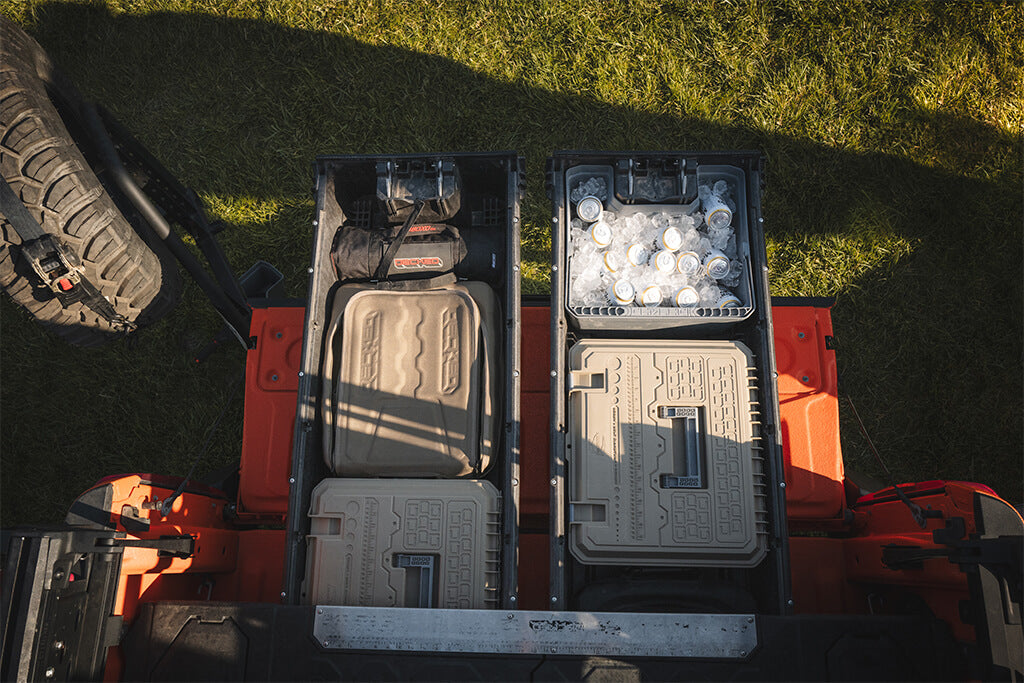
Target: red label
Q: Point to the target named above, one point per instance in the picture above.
(424, 228)
(418, 262)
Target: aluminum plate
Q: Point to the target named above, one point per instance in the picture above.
(607, 634)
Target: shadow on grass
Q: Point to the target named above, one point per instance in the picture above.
(925, 259)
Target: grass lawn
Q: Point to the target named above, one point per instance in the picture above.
(893, 140)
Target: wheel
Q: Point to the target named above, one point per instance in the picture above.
(43, 165)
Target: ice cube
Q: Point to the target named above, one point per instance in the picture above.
(595, 186)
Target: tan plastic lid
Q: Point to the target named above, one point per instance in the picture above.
(403, 543)
(662, 465)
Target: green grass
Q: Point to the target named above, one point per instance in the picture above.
(892, 133)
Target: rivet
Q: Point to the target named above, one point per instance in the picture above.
(515, 220)
(310, 270)
(554, 268)
(326, 643)
(273, 378)
(782, 484)
(291, 480)
(554, 219)
(59, 645)
(315, 224)
(800, 335)
(510, 616)
(319, 611)
(554, 599)
(554, 373)
(743, 653)
(283, 594)
(278, 335)
(805, 378)
(515, 482)
(50, 672)
(515, 268)
(301, 373)
(554, 482)
(750, 620)
(515, 373)
(790, 602)
(760, 220)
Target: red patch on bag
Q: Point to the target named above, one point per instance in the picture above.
(418, 262)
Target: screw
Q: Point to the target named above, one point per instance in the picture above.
(554, 268)
(283, 594)
(554, 219)
(325, 643)
(515, 482)
(515, 220)
(552, 650)
(554, 482)
(782, 484)
(310, 270)
(515, 373)
(273, 378)
(553, 599)
(319, 611)
(301, 373)
(50, 672)
(515, 268)
(315, 224)
(760, 220)
(750, 620)
(510, 616)
(511, 598)
(59, 645)
(291, 480)
(554, 373)
(743, 653)
(790, 602)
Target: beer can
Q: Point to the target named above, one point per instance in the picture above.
(663, 261)
(589, 209)
(601, 234)
(688, 262)
(716, 264)
(686, 296)
(636, 254)
(612, 261)
(716, 213)
(728, 300)
(620, 293)
(670, 239)
(649, 296)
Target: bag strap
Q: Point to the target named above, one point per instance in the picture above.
(385, 263)
(437, 282)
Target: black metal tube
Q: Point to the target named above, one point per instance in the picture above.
(233, 314)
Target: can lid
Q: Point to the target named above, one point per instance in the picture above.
(664, 261)
(637, 254)
(601, 234)
(589, 209)
(650, 296)
(671, 238)
(719, 217)
(716, 265)
(612, 261)
(688, 262)
(622, 291)
(687, 296)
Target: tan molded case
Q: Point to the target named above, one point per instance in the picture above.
(410, 386)
(403, 543)
(663, 469)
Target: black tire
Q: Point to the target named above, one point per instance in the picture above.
(44, 166)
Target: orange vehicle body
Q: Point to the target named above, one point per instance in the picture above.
(837, 534)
